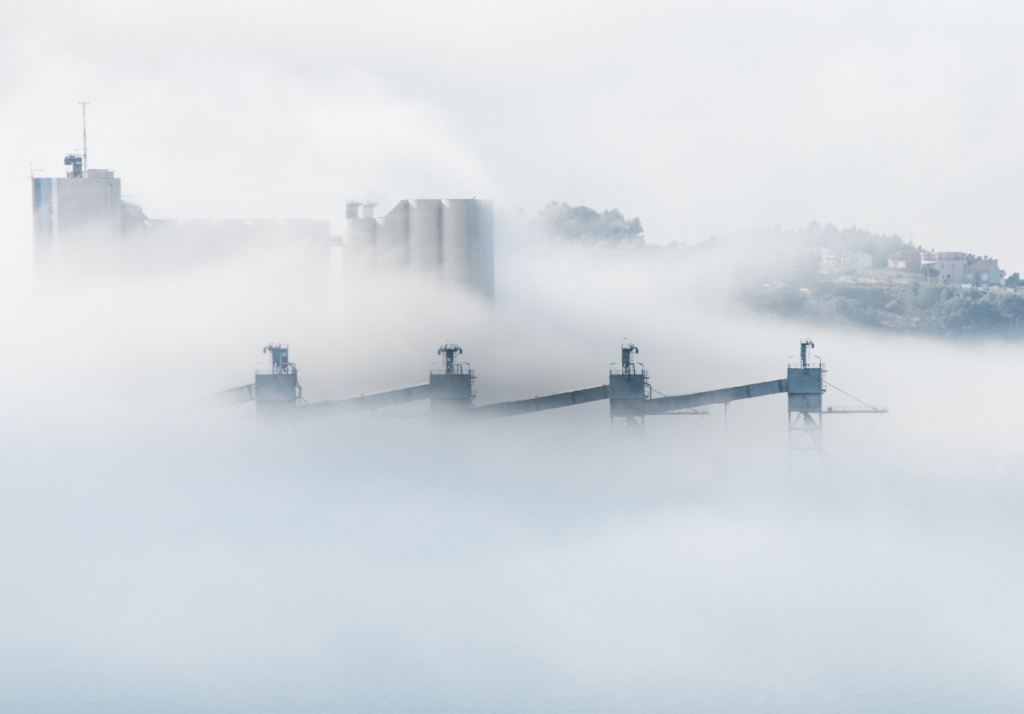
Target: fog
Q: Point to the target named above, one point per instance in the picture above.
(699, 117)
(161, 555)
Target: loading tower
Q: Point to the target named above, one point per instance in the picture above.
(628, 388)
(451, 384)
(806, 385)
(277, 391)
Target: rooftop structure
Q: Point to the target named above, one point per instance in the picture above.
(85, 205)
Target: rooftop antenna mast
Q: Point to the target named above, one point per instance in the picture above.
(85, 150)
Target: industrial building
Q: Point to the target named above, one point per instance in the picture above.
(447, 240)
(83, 228)
(180, 243)
(83, 207)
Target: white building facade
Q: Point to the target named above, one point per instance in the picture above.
(948, 266)
(72, 212)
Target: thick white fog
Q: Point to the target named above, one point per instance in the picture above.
(162, 556)
(159, 555)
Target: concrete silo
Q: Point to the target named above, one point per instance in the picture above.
(483, 268)
(467, 250)
(458, 251)
(359, 235)
(393, 239)
(449, 240)
(425, 236)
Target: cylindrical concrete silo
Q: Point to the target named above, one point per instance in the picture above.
(393, 239)
(359, 241)
(484, 266)
(425, 236)
(457, 241)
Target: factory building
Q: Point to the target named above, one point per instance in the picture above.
(194, 242)
(447, 240)
(82, 208)
(84, 230)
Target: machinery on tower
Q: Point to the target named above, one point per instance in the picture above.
(451, 386)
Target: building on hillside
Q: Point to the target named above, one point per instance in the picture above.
(947, 266)
(983, 273)
(449, 240)
(905, 260)
(846, 261)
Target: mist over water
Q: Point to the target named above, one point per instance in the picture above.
(162, 557)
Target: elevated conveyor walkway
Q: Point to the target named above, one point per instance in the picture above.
(365, 402)
(539, 404)
(229, 397)
(665, 405)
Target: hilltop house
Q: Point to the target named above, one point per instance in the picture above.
(948, 266)
(845, 261)
(983, 273)
(905, 260)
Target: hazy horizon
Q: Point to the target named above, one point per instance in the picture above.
(699, 118)
(160, 556)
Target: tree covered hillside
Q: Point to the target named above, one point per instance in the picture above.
(782, 273)
(579, 223)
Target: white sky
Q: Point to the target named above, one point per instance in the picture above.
(700, 118)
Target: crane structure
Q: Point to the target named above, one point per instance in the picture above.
(631, 399)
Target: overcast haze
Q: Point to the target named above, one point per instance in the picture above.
(700, 118)
(160, 557)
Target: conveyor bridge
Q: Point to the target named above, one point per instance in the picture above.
(450, 392)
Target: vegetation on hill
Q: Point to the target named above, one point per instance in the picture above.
(785, 278)
(780, 272)
(911, 305)
(579, 223)
(850, 240)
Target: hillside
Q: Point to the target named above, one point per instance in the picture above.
(783, 274)
(889, 300)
